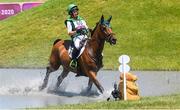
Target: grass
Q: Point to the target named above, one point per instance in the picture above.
(161, 102)
(147, 30)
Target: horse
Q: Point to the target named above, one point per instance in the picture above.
(89, 62)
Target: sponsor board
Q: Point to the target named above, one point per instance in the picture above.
(11, 9)
(7, 10)
(27, 6)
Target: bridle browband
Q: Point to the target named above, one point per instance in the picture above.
(107, 37)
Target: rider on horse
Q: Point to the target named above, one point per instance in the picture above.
(78, 30)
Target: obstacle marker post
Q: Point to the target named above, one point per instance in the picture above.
(124, 68)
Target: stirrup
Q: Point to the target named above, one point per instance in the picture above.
(73, 64)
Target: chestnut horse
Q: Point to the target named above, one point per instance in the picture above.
(90, 60)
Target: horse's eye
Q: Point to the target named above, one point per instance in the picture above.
(103, 27)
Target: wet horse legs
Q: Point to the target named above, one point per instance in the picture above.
(90, 83)
(61, 77)
(44, 85)
(92, 77)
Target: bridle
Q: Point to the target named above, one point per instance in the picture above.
(108, 36)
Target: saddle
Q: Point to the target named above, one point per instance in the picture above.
(71, 47)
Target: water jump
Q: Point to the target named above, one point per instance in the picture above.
(89, 62)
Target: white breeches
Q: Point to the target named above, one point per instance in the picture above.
(77, 41)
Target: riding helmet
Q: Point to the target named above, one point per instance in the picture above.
(71, 8)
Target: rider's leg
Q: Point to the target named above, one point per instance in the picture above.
(75, 52)
(78, 45)
(77, 41)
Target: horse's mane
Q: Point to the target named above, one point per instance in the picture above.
(94, 29)
(57, 40)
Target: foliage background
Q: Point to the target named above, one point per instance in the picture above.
(147, 30)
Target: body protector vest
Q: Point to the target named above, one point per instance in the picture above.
(78, 25)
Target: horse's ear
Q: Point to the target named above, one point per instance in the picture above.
(102, 19)
(109, 19)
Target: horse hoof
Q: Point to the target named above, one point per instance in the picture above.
(41, 88)
(56, 88)
(102, 90)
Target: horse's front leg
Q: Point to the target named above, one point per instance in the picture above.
(61, 77)
(92, 76)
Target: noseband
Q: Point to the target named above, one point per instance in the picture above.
(109, 36)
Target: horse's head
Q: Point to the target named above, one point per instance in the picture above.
(106, 30)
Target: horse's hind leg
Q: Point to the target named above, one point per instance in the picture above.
(61, 77)
(90, 83)
(45, 81)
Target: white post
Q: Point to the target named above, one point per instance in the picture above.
(124, 68)
(125, 95)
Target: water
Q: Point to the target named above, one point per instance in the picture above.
(19, 87)
(157, 83)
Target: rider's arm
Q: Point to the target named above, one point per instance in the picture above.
(69, 28)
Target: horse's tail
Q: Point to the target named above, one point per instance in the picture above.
(57, 40)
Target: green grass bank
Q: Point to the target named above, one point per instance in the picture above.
(161, 102)
(147, 30)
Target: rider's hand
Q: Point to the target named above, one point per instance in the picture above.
(82, 31)
(79, 31)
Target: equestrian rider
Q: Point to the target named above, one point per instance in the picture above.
(78, 30)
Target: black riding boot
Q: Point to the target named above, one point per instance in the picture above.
(73, 63)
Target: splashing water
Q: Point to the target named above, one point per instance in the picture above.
(19, 88)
